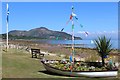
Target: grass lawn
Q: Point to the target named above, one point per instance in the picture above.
(19, 64)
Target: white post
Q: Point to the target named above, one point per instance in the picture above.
(7, 25)
(73, 40)
(73, 36)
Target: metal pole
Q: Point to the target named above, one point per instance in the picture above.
(73, 39)
(73, 36)
(7, 26)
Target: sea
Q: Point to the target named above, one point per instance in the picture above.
(80, 43)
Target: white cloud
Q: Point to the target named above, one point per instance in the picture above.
(99, 32)
(91, 35)
(81, 32)
(113, 31)
(105, 31)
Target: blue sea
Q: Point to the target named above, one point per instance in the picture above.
(81, 43)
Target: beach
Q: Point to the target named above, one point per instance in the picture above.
(60, 49)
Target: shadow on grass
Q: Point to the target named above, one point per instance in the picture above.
(50, 73)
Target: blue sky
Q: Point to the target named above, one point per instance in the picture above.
(96, 17)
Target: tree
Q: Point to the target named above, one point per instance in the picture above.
(103, 46)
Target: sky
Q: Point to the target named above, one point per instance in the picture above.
(96, 17)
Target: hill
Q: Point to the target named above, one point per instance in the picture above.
(39, 33)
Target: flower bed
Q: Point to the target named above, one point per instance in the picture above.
(77, 66)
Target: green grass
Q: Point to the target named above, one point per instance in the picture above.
(19, 64)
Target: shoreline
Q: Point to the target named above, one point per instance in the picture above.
(27, 42)
(82, 53)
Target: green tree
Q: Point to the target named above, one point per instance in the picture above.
(103, 46)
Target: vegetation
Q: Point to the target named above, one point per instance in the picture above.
(18, 63)
(38, 33)
(79, 66)
(103, 47)
(11, 37)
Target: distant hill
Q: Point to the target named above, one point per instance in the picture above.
(38, 33)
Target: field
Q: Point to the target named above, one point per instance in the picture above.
(19, 64)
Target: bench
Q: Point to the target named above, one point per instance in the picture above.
(34, 53)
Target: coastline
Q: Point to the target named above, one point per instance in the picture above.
(59, 49)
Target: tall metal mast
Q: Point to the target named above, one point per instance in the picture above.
(73, 35)
(7, 21)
